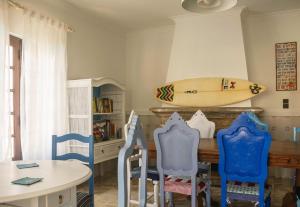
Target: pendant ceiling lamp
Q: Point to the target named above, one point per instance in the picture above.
(206, 6)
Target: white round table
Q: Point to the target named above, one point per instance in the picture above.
(58, 176)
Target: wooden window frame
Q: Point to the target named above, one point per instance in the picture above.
(16, 43)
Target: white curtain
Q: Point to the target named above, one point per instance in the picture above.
(5, 131)
(44, 108)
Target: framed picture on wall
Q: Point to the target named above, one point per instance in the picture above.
(286, 66)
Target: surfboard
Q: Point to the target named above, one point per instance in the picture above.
(204, 92)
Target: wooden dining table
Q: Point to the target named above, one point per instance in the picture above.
(285, 154)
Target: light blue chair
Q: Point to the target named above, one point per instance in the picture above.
(83, 199)
(243, 165)
(135, 138)
(177, 160)
(295, 138)
(135, 172)
(259, 124)
(296, 131)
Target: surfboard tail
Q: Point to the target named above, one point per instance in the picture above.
(166, 93)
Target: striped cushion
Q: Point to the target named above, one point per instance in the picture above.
(182, 185)
(245, 191)
(83, 199)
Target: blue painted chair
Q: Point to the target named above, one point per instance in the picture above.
(296, 131)
(83, 199)
(295, 138)
(135, 173)
(243, 165)
(259, 124)
(134, 137)
(177, 160)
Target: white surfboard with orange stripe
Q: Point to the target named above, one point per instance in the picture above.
(204, 92)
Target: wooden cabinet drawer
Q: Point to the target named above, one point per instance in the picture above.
(105, 152)
(59, 199)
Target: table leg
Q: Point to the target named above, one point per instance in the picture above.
(297, 186)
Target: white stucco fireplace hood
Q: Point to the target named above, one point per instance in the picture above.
(208, 45)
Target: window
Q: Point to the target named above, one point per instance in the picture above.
(15, 50)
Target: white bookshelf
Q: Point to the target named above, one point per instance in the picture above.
(82, 117)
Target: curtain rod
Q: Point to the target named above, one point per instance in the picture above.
(18, 6)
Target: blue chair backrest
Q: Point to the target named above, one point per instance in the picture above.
(243, 151)
(296, 131)
(177, 147)
(75, 156)
(258, 122)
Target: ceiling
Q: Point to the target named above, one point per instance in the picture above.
(134, 14)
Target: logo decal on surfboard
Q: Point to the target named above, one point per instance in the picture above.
(201, 92)
(255, 88)
(191, 91)
(227, 85)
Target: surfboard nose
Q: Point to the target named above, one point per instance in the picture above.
(263, 88)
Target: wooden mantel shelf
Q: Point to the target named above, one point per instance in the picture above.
(163, 110)
(222, 116)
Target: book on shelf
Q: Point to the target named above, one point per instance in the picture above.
(94, 105)
(104, 105)
(104, 130)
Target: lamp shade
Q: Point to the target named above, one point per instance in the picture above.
(206, 6)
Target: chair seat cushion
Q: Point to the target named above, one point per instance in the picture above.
(245, 191)
(182, 185)
(83, 199)
(152, 173)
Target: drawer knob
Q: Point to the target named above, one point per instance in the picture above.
(102, 151)
(60, 199)
(119, 147)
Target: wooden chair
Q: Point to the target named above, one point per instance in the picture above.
(243, 165)
(135, 137)
(135, 173)
(177, 160)
(83, 199)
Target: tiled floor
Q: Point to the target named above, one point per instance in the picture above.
(106, 192)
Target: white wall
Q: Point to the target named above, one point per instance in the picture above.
(95, 49)
(261, 33)
(147, 61)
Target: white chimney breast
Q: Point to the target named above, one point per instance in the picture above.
(209, 45)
